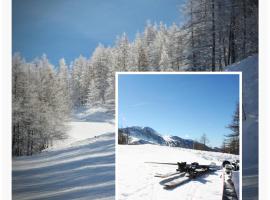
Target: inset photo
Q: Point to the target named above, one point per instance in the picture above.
(179, 136)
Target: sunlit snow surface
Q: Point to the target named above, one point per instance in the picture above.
(136, 178)
(81, 167)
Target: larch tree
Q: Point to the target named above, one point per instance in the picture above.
(121, 53)
(233, 137)
(100, 64)
(141, 56)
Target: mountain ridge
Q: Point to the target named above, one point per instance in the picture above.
(138, 135)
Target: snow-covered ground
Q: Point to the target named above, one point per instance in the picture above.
(81, 167)
(136, 178)
(81, 130)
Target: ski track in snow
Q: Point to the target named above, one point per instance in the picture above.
(136, 178)
(80, 167)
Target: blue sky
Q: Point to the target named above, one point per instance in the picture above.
(182, 105)
(68, 28)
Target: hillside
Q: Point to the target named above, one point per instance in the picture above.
(146, 135)
(81, 167)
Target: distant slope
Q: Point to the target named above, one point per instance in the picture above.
(147, 135)
(82, 167)
(175, 141)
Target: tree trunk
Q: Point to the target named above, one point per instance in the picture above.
(245, 27)
(28, 143)
(213, 37)
(32, 143)
(232, 38)
(224, 52)
(192, 35)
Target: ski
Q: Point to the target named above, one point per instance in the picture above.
(176, 182)
(229, 192)
(180, 164)
(182, 180)
(166, 175)
(184, 173)
(184, 167)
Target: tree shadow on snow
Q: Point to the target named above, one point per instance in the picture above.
(87, 172)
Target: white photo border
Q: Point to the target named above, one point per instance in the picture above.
(177, 73)
(5, 99)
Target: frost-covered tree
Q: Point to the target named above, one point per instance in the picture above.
(110, 91)
(233, 138)
(199, 34)
(53, 113)
(141, 56)
(19, 102)
(216, 32)
(64, 84)
(164, 63)
(150, 32)
(93, 93)
(80, 81)
(148, 38)
(38, 112)
(100, 64)
(121, 53)
(133, 57)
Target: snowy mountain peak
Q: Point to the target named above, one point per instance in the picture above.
(151, 131)
(147, 135)
(144, 135)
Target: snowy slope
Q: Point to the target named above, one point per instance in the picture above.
(175, 141)
(147, 135)
(81, 167)
(136, 177)
(81, 130)
(249, 69)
